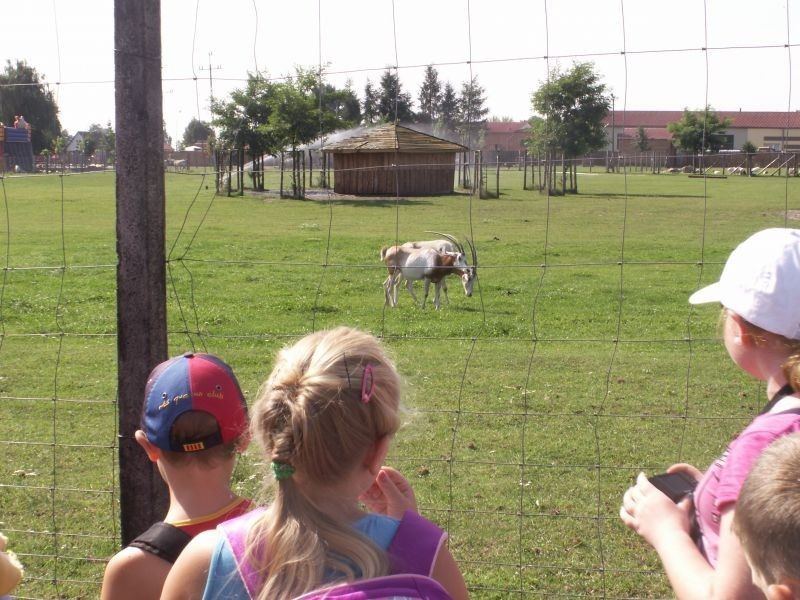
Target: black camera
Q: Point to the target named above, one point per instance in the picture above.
(676, 485)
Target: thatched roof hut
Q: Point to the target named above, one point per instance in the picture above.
(394, 160)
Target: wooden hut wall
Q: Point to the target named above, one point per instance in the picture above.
(372, 173)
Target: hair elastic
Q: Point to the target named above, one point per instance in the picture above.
(281, 470)
(366, 394)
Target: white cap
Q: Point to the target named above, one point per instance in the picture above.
(761, 282)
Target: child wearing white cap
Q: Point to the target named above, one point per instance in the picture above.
(759, 291)
(194, 421)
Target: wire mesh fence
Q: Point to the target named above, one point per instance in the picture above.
(532, 404)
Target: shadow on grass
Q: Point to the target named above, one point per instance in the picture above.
(377, 202)
(615, 195)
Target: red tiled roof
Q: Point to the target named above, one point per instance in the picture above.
(739, 119)
(506, 126)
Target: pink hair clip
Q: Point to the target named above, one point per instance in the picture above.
(366, 394)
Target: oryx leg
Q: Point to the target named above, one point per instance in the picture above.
(426, 286)
(398, 278)
(410, 288)
(387, 291)
(437, 287)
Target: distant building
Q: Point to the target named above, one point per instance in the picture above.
(776, 131)
(505, 136)
(769, 131)
(74, 143)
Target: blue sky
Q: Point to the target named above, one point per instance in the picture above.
(649, 53)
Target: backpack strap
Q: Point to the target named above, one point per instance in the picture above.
(388, 587)
(413, 549)
(162, 540)
(416, 545)
(235, 532)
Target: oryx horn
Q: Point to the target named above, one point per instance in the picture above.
(451, 238)
(474, 253)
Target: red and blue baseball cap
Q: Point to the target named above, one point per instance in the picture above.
(197, 382)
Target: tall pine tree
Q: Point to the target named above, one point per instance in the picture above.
(393, 103)
(369, 108)
(430, 96)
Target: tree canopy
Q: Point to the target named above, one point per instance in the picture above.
(196, 131)
(24, 92)
(241, 117)
(430, 96)
(269, 116)
(448, 108)
(698, 131)
(393, 103)
(100, 138)
(641, 141)
(472, 113)
(573, 104)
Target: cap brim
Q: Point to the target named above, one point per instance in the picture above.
(710, 293)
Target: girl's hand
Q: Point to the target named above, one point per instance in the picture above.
(390, 494)
(652, 514)
(690, 470)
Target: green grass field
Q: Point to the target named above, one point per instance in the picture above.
(532, 405)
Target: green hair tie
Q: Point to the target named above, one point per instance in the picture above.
(282, 470)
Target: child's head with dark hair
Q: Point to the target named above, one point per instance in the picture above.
(767, 518)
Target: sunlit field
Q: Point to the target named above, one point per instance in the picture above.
(530, 406)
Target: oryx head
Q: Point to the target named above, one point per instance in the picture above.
(470, 273)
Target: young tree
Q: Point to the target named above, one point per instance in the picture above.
(299, 116)
(102, 139)
(698, 131)
(29, 96)
(749, 147)
(641, 141)
(393, 103)
(60, 144)
(109, 143)
(573, 104)
(87, 146)
(472, 113)
(430, 96)
(242, 119)
(369, 111)
(196, 131)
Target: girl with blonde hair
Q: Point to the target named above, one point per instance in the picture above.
(325, 419)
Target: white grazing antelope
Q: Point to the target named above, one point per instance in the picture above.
(450, 244)
(427, 264)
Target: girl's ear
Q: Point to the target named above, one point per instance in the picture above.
(377, 454)
(739, 330)
(153, 452)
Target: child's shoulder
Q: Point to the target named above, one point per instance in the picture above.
(381, 529)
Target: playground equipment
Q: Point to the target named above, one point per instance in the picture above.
(16, 149)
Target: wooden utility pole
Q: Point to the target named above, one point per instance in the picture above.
(210, 70)
(141, 268)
